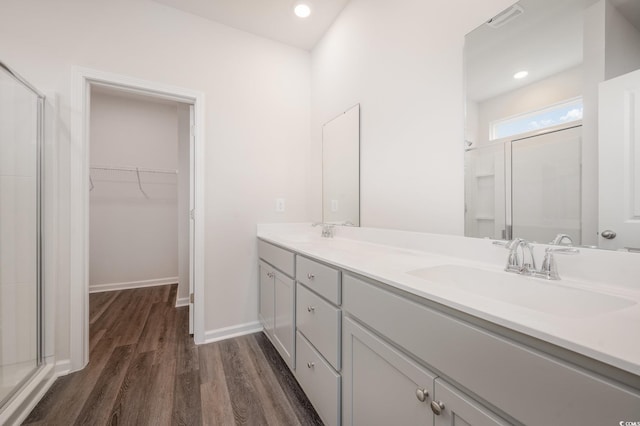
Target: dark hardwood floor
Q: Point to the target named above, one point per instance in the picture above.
(144, 369)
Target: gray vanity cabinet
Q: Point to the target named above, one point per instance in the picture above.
(276, 307)
(457, 409)
(369, 354)
(266, 293)
(521, 381)
(381, 385)
(283, 319)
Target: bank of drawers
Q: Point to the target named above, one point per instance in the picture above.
(319, 337)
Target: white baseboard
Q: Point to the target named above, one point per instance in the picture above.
(233, 331)
(182, 301)
(97, 288)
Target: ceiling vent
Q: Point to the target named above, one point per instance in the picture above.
(505, 16)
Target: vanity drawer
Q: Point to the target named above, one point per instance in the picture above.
(318, 380)
(320, 278)
(277, 257)
(320, 322)
(530, 386)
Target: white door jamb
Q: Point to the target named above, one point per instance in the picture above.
(83, 78)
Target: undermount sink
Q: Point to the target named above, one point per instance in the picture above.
(533, 293)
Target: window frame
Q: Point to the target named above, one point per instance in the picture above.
(493, 125)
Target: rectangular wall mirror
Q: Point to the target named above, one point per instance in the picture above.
(341, 169)
(552, 125)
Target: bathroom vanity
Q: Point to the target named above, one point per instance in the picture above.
(390, 327)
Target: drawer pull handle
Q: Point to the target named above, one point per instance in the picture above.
(422, 394)
(437, 407)
(270, 274)
(310, 276)
(311, 309)
(311, 364)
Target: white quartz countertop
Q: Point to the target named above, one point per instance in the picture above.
(610, 337)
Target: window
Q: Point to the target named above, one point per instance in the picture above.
(561, 113)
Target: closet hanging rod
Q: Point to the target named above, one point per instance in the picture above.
(134, 169)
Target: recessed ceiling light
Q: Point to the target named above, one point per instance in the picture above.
(520, 74)
(302, 10)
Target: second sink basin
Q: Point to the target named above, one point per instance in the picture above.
(533, 293)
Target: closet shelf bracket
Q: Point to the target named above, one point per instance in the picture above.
(140, 184)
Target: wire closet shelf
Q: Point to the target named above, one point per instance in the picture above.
(136, 170)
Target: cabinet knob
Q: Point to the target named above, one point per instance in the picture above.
(310, 276)
(311, 364)
(422, 394)
(437, 407)
(311, 308)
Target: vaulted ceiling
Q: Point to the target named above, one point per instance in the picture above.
(273, 19)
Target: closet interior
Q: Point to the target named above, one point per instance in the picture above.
(139, 192)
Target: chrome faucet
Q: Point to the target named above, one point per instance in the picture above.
(327, 229)
(518, 263)
(557, 241)
(515, 262)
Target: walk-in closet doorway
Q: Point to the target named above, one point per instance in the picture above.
(139, 192)
(136, 190)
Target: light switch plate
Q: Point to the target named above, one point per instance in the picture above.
(280, 205)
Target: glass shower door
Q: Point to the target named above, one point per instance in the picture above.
(546, 186)
(20, 130)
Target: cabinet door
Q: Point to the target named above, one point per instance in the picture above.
(283, 330)
(381, 385)
(454, 408)
(266, 296)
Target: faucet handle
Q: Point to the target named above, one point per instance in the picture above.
(510, 244)
(560, 238)
(513, 261)
(549, 269)
(562, 250)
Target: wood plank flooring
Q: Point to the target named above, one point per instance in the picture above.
(144, 369)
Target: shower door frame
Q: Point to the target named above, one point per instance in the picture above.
(39, 234)
(83, 78)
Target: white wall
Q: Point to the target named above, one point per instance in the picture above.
(622, 41)
(402, 61)
(133, 239)
(257, 121)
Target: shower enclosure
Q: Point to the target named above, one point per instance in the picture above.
(526, 187)
(21, 134)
